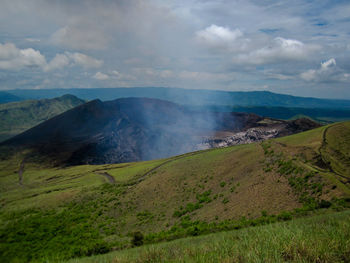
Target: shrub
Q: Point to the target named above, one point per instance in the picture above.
(225, 201)
(284, 216)
(204, 197)
(137, 239)
(325, 204)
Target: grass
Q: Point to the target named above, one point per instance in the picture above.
(192, 194)
(16, 117)
(322, 238)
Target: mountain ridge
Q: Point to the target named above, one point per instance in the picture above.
(16, 117)
(194, 96)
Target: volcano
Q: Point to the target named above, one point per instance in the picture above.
(135, 129)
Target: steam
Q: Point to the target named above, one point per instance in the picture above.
(171, 129)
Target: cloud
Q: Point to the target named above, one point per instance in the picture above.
(217, 35)
(221, 38)
(100, 76)
(113, 75)
(58, 62)
(206, 76)
(84, 60)
(80, 37)
(193, 43)
(279, 76)
(32, 40)
(279, 50)
(13, 58)
(328, 72)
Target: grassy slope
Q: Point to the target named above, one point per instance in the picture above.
(171, 195)
(322, 238)
(16, 117)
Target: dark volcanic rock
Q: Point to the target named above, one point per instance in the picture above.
(134, 129)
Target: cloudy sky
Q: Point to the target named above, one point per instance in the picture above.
(299, 47)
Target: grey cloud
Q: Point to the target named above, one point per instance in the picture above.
(280, 49)
(327, 72)
(85, 38)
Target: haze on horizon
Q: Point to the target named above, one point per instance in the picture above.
(300, 47)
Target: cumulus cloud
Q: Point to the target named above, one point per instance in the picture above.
(58, 62)
(218, 37)
(13, 58)
(100, 76)
(113, 75)
(279, 50)
(84, 60)
(328, 72)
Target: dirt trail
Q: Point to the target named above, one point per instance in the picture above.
(323, 148)
(109, 177)
(20, 173)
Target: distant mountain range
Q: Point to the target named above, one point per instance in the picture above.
(16, 117)
(134, 129)
(6, 97)
(182, 96)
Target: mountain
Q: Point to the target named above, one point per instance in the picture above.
(190, 97)
(16, 117)
(58, 213)
(322, 115)
(135, 129)
(6, 97)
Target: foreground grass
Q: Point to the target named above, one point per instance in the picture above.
(322, 238)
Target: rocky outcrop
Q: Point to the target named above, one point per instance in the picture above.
(249, 136)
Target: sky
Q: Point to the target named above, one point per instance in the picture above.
(299, 47)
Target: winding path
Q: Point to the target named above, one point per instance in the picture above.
(20, 173)
(323, 148)
(109, 177)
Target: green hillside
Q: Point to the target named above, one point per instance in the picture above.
(16, 117)
(322, 238)
(62, 213)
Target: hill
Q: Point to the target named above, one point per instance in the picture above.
(321, 115)
(61, 213)
(190, 97)
(304, 239)
(135, 129)
(16, 117)
(6, 97)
